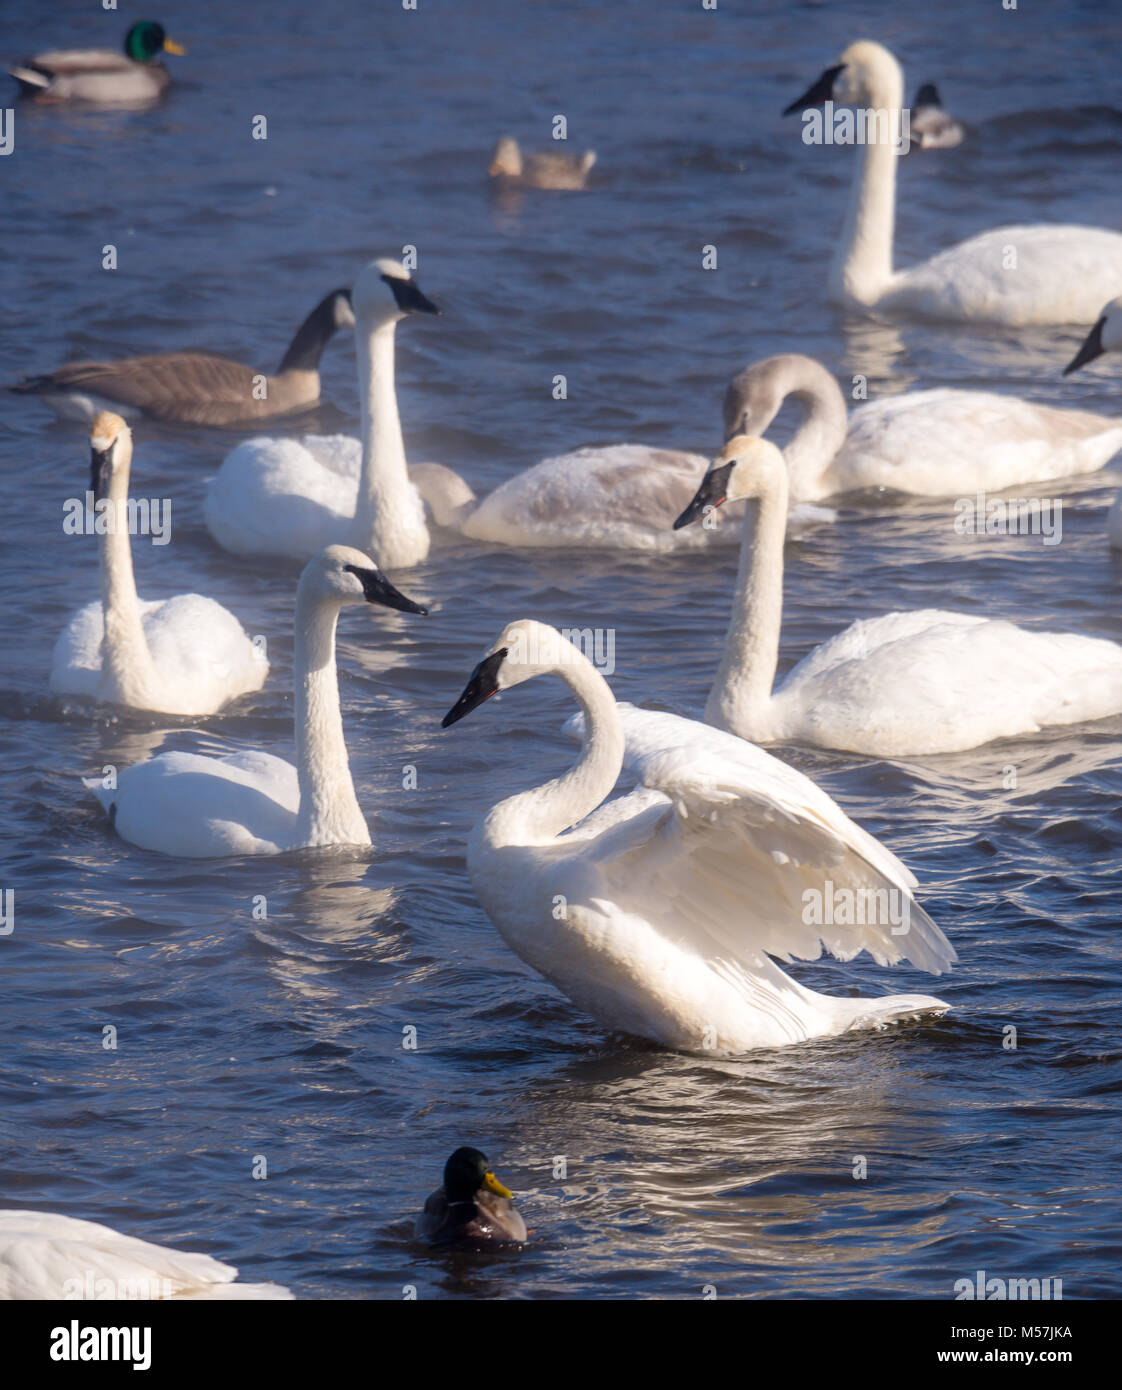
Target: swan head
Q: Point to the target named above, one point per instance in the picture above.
(386, 292)
(523, 649)
(340, 574)
(747, 467)
(507, 159)
(110, 452)
(466, 1172)
(1105, 336)
(865, 74)
(753, 398)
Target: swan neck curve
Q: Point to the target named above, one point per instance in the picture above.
(538, 816)
(126, 662)
(822, 432)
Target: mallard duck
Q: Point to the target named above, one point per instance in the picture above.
(472, 1205)
(99, 74)
(548, 170)
(198, 388)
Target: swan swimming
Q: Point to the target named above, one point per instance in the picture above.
(197, 807)
(291, 497)
(197, 388)
(659, 913)
(1105, 336)
(905, 683)
(182, 655)
(937, 443)
(1062, 273)
(44, 1255)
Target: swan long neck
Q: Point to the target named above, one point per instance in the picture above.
(741, 691)
(329, 810)
(862, 267)
(822, 431)
(389, 517)
(538, 816)
(126, 661)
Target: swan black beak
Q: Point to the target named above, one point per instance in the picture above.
(101, 470)
(713, 492)
(376, 588)
(482, 684)
(818, 93)
(409, 298)
(1092, 348)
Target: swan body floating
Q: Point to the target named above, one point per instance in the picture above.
(133, 77)
(197, 388)
(660, 913)
(471, 1207)
(44, 1255)
(287, 497)
(198, 807)
(554, 169)
(906, 683)
(1105, 336)
(938, 443)
(931, 127)
(182, 655)
(1061, 273)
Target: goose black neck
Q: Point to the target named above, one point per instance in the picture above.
(312, 337)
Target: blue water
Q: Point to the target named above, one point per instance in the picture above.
(284, 1037)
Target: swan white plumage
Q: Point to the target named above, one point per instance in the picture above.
(906, 683)
(44, 1255)
(1105, 336)
(182, 655)
(291, 497)
(198, 807)
(675, 897)
(938, 443)
(1061, 274)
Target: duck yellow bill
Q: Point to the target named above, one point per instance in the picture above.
(170, 46)
(492, 1184)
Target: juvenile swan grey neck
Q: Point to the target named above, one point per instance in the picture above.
(757, 394)
(329, 810)
(538, 816)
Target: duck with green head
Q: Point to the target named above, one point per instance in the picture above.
(133, 77)
(472, 1206)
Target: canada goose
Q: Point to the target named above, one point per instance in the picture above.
(543, 170)
(100, 75)
(198, 388)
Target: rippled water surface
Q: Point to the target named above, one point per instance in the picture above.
(284, 1037)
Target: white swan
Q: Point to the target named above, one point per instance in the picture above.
(292, 498)
(1061, 274)
(939, 443)
(658, 913)
(44, 1255)
(905, 683)
(1105, 336)
(197, 807)
(182, 655)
